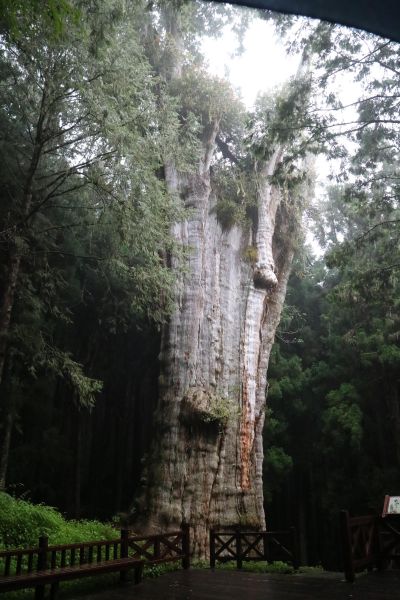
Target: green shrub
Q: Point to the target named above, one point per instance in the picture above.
(311, 570)
(278, 566)
(153, 571)
(21, 524)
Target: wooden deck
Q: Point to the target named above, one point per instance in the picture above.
(238, 585)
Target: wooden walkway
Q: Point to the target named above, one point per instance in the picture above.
(238, 585)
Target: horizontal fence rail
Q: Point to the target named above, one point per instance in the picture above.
(243, 546)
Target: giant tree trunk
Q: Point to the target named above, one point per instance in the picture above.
(205, 467)
(206, 464)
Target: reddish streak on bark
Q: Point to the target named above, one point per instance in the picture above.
(245, 438)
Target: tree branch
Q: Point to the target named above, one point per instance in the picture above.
(225, 150)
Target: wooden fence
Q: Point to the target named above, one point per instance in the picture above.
(162, 548)
(368, 542)
(243, 546)
(44, 564)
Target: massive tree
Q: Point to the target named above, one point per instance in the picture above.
(122, 132)
(205, 467)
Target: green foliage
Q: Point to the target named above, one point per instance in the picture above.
(277, 567)
(21, 524)
(95, 228)
(16, 15)
(219, 410)
(333, 382)
(342, 419)
(280, 568)
(278, 461)
(236, 197)
(228, 213)
(153, 571)
(210, 99)
(285, 119)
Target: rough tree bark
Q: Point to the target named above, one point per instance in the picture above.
(205, 467)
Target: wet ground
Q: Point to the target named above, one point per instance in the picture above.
(205, 584)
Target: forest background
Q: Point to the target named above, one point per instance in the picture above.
(85, 242)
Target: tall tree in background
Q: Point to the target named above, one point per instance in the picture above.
(332, 439)
(81, 141)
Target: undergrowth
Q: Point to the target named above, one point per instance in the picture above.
(22, 523)
(279, 567)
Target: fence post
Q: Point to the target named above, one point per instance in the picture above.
(185, 546)
(41, 564)
(212, 549)
(295, 548)
(124, 551)
(239, 562)
(266, 546)
(157, 548)
(378, 541)
(346, 545)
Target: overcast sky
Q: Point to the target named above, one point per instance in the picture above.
(263, 65)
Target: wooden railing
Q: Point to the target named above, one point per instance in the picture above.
(42, 557)
(369, 542)
(161, 548)
(389, 540)
(44, 564)
(243, 546)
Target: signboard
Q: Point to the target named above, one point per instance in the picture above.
(391, 506)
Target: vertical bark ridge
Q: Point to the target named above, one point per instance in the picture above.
(207, 470)
(206, 464)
